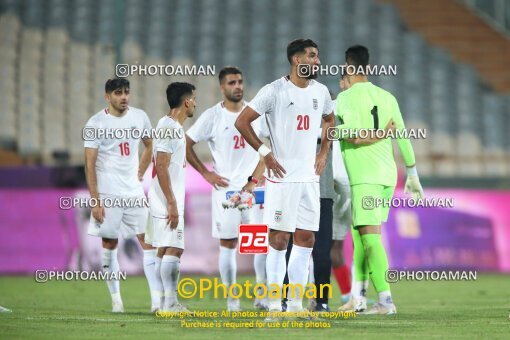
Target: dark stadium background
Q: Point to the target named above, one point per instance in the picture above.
(452, 80)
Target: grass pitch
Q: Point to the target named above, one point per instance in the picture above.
(77, 309)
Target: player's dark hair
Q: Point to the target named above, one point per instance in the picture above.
(115, 84)
(299, 46)
(357, 55)
(176, 93)
(228, 70)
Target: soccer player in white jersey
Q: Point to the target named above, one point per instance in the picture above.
(293, 107)
(234, 162)
(112, 169)
(167, 191)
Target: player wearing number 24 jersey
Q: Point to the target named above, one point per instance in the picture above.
(234, 161)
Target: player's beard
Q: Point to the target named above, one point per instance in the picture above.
(120, 108)
(233, 98)
(313, 76)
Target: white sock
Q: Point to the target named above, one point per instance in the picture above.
(155, 283)
(385, 298)
(275, 269)
(311, 277)
(364, 289)
(299, 262)
(157, 268)
(228, 266)
(359, 289)
(110, 264)
(259, 262)
(170, 277)
(353, 278)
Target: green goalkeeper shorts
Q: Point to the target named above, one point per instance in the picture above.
(370, 204)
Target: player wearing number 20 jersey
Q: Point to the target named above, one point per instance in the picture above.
(292, 108)
(293, 116)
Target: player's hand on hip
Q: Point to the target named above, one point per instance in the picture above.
(413, 187)
(216, 180)
(273, 167)
(98, 213)
(320, 163)
(173, 215)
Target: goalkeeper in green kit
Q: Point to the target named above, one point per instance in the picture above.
(373, 175)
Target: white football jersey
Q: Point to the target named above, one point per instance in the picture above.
(293, 116)
(339, 172)
(176, 147)
(117, 159)
(233, 157)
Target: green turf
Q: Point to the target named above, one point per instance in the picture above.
(81, 310)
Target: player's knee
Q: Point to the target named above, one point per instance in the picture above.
(304, 238)
(161, 252)
(141, 239)
(177, 252)
(229, 243)
(335, 258)
(110, 243)
(278, 240)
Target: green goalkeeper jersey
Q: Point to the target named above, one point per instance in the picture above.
(366, 106)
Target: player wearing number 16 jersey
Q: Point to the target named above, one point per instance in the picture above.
(113, 169)
(293, 107)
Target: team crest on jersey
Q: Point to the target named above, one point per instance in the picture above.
(277, 215)
(179, 234)
(315, 104)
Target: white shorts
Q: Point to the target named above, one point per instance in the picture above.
(166, 237)
(342, 214)
(225, 222)
(257, 214)
(128, 221)
(149, 230)
(288, 206)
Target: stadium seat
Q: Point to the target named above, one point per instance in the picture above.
(57, 17)
(494, 132)
(60, 46)
(103, 68)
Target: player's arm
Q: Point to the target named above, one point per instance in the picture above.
(413, 185)
(90, 175)
(145, 159)
(162, 164)
(349, 124)
(210, 176)
(320, 161)
(373, 138)
(243, 125)
(256, 176)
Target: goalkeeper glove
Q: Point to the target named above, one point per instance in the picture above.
(413, 185)
(240, 200)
